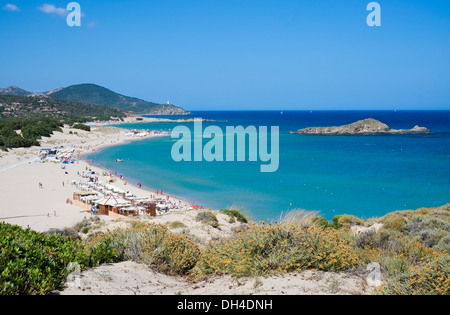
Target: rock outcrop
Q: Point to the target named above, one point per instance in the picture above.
(363, 127)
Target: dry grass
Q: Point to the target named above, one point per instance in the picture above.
(299, 217)
(261, 250)
(412, 262)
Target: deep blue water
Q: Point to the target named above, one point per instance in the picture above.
(361, 175)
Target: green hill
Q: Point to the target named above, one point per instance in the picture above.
(98, 95)
(39, 116)
(20, 107)
(14, 90)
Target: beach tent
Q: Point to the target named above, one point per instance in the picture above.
(118, 190)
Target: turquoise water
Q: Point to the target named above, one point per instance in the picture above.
(361, 175)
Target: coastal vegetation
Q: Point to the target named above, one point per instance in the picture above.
(86, 97)
(265, 249)
(235, 215)
(36, 263)
(209, 218)
(26, 119)
(81, 127)
(24, 107)
(18, 133)
(411, 247)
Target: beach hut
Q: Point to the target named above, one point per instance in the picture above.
(111, 203)
(148, 206)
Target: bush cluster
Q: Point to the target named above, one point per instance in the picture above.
(156, 245)
(81, 127)
(235, 215)
(412, 261)
(429, 277)
(277, 248)
(36, 263)
(412, 248)
(31, 131)
(209, 218)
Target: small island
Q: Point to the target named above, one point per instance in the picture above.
(368, 126)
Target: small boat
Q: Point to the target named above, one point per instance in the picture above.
(119, 160)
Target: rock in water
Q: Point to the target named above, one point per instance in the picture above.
(363, 127)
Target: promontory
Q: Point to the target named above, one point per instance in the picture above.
(368, 126)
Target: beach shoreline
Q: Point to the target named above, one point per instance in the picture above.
(26, 203)
(142, 120)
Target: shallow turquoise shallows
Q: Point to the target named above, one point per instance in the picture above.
(365, 176)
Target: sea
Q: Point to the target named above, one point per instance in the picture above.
(366, 176)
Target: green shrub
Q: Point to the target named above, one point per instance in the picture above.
(209, 218)
(31, 131)
(277, 248)
(176, 225)
(33, 263)
(36, 263)
(81, 127)
(235, 214)
(431, 226)
(443, 244)
(102, 252)
(394, 222)
(345, 221)
(321, 222)
(429, 277)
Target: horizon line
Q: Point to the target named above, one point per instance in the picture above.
(310, 110)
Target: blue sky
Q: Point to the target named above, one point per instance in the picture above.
(230, 54)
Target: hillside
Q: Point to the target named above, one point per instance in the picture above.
(13, 106)
(26, 119)
(97, 95)
(14, 90)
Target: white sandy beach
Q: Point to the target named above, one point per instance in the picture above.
(24, 203)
